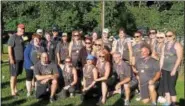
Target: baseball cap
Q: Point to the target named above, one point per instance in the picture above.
(64, 34)
(39, 31)
(55, 28)
(106, 30)
(20, 26)
(90, 57)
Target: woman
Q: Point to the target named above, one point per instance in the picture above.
(74, 47)
(62, 49)
(90, 74)
(99, 46)
(104, 69)
(152, 37)
(156, 54)
(31, 57)
(123, 46)
(94, 36)
(159, 44)
(85, 51)
(171, 58)
(69, 76)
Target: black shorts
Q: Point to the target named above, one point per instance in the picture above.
(29, 74)
(16, 69)
(41, 89)
(145, 90)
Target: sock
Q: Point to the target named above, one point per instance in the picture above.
(28, 86)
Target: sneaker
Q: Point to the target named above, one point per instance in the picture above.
(166, 104)
(28, 94)
(71, 95)
(126, 103)
(163, 100)
(154, 104)
(138, 98)
(51, 99)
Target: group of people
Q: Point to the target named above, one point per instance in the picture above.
(97, 66)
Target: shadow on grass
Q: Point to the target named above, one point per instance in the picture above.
(90, 102)
(41, 102)
(119, 102)
(6, 98)
(14, 103)
(4, 84)
(181, 102)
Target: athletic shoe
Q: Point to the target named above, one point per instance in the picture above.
(71, 95)
(28, 94)
(126, 103)
(166, 104)
(138, 98)
(51, 99)
(161, 99)
(154, 104)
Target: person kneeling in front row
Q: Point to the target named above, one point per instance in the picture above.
(46, 74)
(90, 74)
(148, 71)
(70, 78)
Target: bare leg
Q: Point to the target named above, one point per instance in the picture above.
(145, 101)
(174, 98)
(153, 93)
(53, 87)
(168, 97)
(104, 91)
(127, 91)
(12, 84)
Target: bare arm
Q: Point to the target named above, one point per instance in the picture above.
(70, 48)
(162, 58)
(74, 77)
(130, 51)
(107, 72)
(95, 75)
(58, 58)
(157, 76)
(179, 52)
(10, 54)
(43, 77)
(126, 80)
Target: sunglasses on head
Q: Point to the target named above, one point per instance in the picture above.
(160, 37)
(169, 35)
(97, 44)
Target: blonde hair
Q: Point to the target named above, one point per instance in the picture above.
(160, 34)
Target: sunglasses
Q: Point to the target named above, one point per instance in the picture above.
(136, 36)
(87, 42)
(67, 61)
(160, 37)
(152, 33)
(101, 56)
(76, 35)
(169, 36)
(97, 44)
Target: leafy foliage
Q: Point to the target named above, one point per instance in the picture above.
(87, 15)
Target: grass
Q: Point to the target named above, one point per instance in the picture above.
(115, 100)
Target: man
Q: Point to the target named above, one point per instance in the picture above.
(54, 41)
(15, 53)
(123, 71)
(148, 71)
(47, 75)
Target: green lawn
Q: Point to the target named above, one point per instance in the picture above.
(6, 100)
